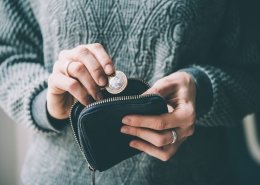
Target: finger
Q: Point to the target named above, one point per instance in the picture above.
(171, 84)
(59, 83)
(80, 72)
(89, 60)
(185, 114)
(183, 133)
(162, 153)
(156, 138)
(163, 87)
(161, 122)
(101, 55)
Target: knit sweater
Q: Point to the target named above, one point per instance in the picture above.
(216, 41)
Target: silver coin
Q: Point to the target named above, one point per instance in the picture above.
(117, 83)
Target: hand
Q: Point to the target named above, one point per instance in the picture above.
(155, 132)
(77, 75)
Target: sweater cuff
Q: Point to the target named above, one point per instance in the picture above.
(204, 94)
(41, 116)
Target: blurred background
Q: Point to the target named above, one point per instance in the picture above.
(14, 141)
(244, 154)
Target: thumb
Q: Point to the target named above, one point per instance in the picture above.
(162, 88)
(149, 91)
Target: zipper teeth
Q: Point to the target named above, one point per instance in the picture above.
(71, 125)
(120, 98)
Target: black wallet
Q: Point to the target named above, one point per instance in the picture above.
(97, 126)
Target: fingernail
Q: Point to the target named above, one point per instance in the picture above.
(126, 120)
(99, 96)
(109, 69)
(102, 81)
(123, 130)
(132, 144)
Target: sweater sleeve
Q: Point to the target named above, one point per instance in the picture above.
(23, 76)
(229, 86)
(231, 95)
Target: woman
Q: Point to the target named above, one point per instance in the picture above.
(202, 56)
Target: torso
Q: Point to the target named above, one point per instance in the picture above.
(146, 39)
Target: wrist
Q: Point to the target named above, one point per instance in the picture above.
(55, 106)
(41, 116)
(56, 122)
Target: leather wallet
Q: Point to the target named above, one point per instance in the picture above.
(97, 126)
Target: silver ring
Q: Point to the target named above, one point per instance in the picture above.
(67, 68)
(174, 136)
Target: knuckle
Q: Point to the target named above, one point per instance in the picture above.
(63, 53)
(73, 85)
(136, 132)
(80, 50)
(107, 61)
(135, 122)
(77, 68)
(160, 141)
(97, 46)
(98, 71)
(160, 124)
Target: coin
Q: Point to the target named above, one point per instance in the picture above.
(117, 83)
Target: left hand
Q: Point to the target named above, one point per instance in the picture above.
(155, 132)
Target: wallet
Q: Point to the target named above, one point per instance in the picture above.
(96, 127)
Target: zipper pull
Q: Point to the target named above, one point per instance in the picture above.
(93, 180)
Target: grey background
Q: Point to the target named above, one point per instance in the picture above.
(14, 141)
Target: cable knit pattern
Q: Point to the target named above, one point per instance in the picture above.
(22, 70)
(146, 39)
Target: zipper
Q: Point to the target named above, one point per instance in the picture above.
(108, 100)
(92, 169)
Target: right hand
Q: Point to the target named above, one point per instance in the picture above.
(90, 65)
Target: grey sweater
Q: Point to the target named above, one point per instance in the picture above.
(216, 41)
